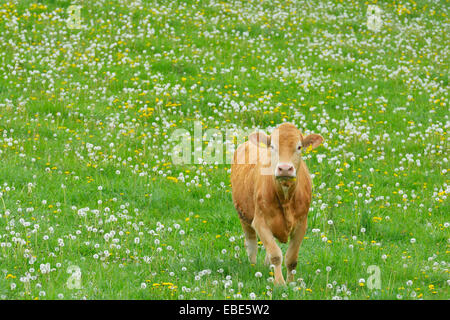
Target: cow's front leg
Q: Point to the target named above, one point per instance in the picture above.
(294, 245)
(272, 249)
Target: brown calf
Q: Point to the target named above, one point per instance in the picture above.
(271, 190)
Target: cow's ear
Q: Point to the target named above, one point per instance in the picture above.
(259, 138)
(313, 140)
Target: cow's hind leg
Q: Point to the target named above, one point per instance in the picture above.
(251, 242)
(294, 246)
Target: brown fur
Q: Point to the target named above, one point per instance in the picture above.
(263, 206)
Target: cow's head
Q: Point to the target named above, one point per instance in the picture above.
(286, 144)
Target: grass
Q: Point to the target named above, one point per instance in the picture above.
(86, 172)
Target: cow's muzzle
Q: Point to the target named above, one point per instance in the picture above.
(285, 171)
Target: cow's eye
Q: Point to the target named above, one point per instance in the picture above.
(299, 148)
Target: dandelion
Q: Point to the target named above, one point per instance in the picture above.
(361, 282)
(44, 268)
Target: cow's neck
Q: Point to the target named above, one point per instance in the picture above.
(285, 190)
(285, 193)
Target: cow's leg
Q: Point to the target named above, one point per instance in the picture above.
(272, 249)
(294, 245)
(251, 242)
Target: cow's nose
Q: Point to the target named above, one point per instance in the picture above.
(285, 170)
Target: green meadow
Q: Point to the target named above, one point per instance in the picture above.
(93, 205)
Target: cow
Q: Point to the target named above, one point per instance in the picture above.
(271, 191)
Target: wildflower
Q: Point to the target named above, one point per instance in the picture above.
(45, 268)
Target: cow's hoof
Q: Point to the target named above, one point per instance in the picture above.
(279, 282)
